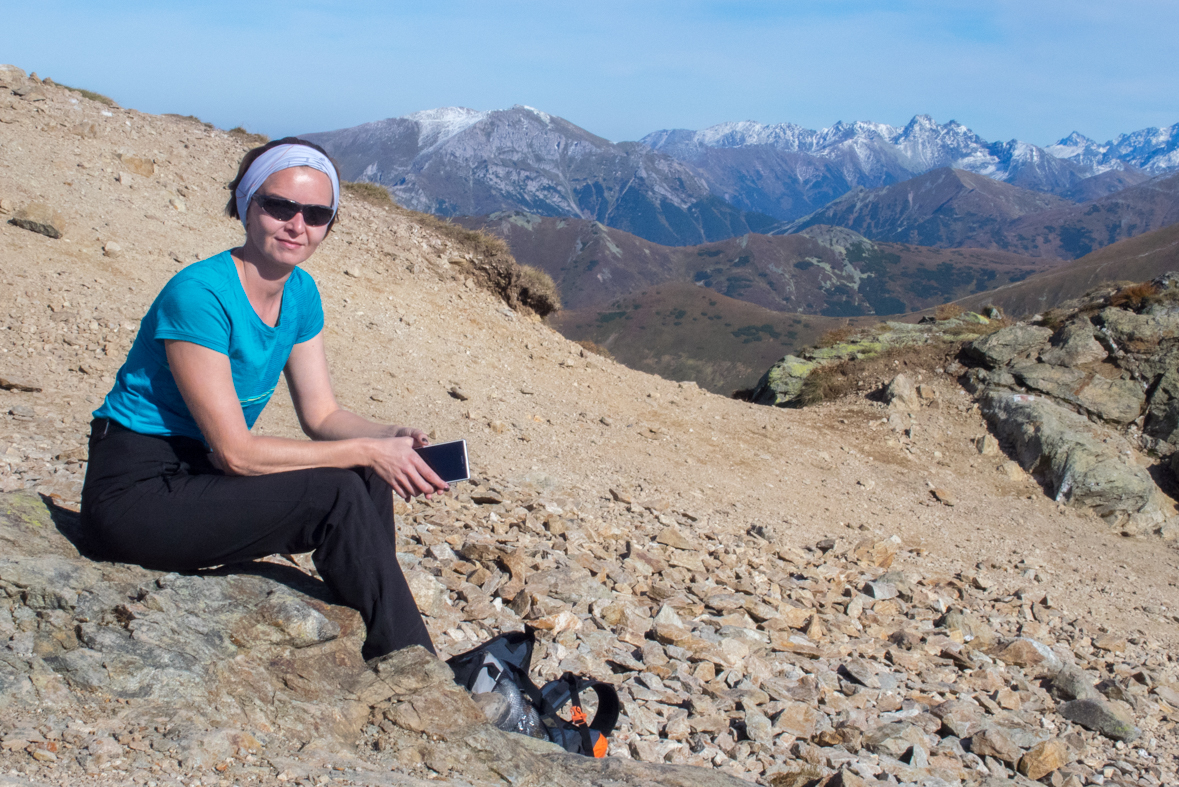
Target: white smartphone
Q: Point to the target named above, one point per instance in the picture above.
(448, 460)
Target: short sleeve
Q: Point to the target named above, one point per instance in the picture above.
(310, 309)
(189, 311)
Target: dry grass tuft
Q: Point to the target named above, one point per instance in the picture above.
(250, 138)
(493, 267)
(371, 193)
(538, 291)
(837, 380)
(947, 311)
(836, 336)
(805, 775)
(90, 94)
(832, 381)
(481, 243)
(1134, 297)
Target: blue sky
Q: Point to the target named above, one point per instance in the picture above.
(1033, 71)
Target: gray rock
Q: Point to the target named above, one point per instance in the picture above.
(992, 742)
(758, 727)
(1073, 683)
(781, 385)
(1116, 400)
(1162, 413)
(880, 591)
(893, 739)
(40, 218)
(1079, 466)
(1138, 332)
(1074, 345)
(299, 624)
(901, 392)
(859, 671)
(1100, 716)
(1004, 346)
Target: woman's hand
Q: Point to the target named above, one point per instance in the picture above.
(396, 461)
(420, 438)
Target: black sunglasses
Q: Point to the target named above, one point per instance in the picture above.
(285, 210)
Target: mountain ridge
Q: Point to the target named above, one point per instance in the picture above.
(683, 187)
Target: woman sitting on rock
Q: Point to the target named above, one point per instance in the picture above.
(177, 482)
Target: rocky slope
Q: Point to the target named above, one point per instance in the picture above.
(780, 596)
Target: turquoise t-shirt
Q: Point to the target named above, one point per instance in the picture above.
(206, 305)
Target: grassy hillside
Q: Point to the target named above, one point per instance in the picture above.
(1137, 259)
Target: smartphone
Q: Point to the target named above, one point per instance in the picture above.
(448, 460)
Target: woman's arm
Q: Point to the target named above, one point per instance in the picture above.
(205, 381)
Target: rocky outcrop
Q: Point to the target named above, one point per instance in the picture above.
(1071, 454)
(1079, 395)
(783, 384)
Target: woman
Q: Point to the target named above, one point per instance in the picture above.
(175, 479)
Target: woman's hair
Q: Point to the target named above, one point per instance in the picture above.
(252, 155)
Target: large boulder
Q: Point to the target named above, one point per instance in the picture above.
(1111, 398)
(1074, 345)
(781, 385)
(1003, 346)
(1139, 333)
(1070, 454)
(1162, 414)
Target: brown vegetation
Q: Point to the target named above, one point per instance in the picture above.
(841, 379)
(90, 94)
(538, 292)
(836, 336)
(481, 243)
(947, 311)
(370, 193)
(250, 138)
(1134, 297)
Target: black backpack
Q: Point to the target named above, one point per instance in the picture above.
(501, 664)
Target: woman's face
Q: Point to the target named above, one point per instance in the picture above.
(288, 243)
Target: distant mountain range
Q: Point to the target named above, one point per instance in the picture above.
(953, 208)
(682, 187)
(787, 171)
(458, 162)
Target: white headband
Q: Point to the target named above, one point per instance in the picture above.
(278, 158)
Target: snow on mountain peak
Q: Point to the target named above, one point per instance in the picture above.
(439, 125)
(546, 117)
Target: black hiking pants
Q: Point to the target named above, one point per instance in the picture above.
(160, 503)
